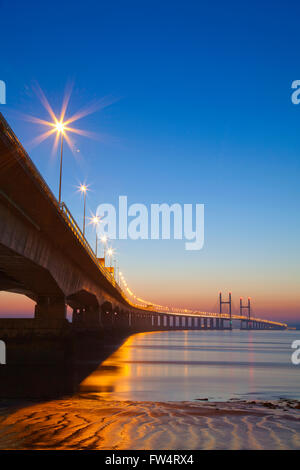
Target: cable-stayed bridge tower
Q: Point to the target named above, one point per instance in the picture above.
(222, 302)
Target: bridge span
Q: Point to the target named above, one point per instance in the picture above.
(44, 256)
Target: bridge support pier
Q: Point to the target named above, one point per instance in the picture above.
(92, 316)
(86, 317)
(51, 310)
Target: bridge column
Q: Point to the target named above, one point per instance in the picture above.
(211, 323)
(217, 323)
(205, 323)
(76, 316)
(92, 316)
(51, 310)
(195, 323)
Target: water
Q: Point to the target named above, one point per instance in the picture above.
(190, 365)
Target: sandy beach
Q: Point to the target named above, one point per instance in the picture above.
(95, 423)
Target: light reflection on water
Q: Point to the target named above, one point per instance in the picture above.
(186, 365)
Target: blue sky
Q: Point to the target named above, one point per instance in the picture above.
(201, 114)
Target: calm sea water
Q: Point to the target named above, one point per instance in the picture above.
(189, 365)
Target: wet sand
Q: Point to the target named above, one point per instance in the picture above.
(96, 423)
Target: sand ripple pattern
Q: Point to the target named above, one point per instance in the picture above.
(94, 423)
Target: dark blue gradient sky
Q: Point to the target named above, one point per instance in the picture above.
(201, 114)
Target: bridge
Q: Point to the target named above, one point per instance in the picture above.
(45, 256)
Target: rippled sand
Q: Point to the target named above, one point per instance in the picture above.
(93, 423)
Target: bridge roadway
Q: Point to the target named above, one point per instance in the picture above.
(44, 256)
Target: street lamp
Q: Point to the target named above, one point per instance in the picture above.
(83, 189)
(95, 222)
(110, 252)
(104, 241)
(60, 131)
(115, 268)
(61, 125)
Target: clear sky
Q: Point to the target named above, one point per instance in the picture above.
(200, 112)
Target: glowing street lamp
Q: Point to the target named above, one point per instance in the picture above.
(110, 252)
(95, 222)
(61, 125)
(83, 190)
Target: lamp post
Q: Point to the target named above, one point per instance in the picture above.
(95, 221)
(117, 274)
(83, 189)
(104, 241)
(115, 268)
(110, 253)
(60, 129)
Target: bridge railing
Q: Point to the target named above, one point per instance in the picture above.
(81, 238)
(69, 219)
